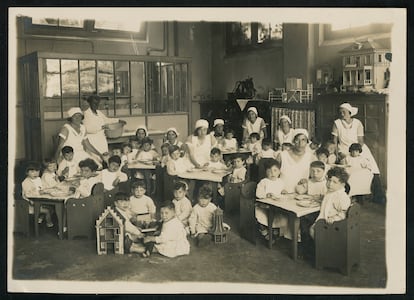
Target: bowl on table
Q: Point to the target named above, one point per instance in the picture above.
(114, 130)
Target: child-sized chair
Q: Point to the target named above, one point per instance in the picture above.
(247, 222)
(337, 245)
(82, 213)
(232, 196)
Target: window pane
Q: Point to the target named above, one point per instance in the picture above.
(122, 100)
(87, 70)
(138, 87)
(167, 87)
(240, 34)
(106, 86)
(184, 87)
(70, 81)
(276, 31)
(153, 87)
(51, 89)
(177, 95)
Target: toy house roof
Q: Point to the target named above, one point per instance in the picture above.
(363, 46)
(119, 219)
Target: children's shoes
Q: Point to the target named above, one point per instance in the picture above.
(49, 225)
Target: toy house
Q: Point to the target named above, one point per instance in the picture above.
(364, 65)
(110, 232)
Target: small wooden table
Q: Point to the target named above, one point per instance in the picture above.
(288, 204)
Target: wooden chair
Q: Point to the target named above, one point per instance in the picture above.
(232, 196)
(82, 213)
(337, 245)
(248, 228)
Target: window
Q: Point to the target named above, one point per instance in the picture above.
(357, 61)
(58, 22)
(379, 58)
(347, 60)
(367, 60)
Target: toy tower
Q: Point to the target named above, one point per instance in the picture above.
(218, 231)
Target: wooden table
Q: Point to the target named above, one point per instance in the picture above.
(287, 203)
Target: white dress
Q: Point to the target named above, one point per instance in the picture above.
(348, 134)
(360, 175)
(172, 241)
(93, 124)
(201, 149)
(75, 139)
(257, 126)
(292, 171)
(201, 218)
(281, 137)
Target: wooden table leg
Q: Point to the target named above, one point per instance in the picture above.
(270, 217)
(36, 217)
(294, 228)
(59, 215)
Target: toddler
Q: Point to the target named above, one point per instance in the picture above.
(255, 145)
(32, 186)
(141, 204)
(267, 151)
(216, 160)
(112, 176)
(322, 155)
(49, 177)
(165, 155)
(176, 164)
(68, 167)
(355, 160)
(336, 201)
(172, 240)
(181, 203)
(201, 219)
(239, 170)
(147, 153)
(135, 149)
(270, 187)
(89, 178)
(126, 153)
(229, 142)
(316, 185)
(331, 147)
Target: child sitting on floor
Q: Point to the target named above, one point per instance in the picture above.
(176, 164)
(336, 201)
(201, 219)
(140, 203)
(49, 176)
(229, 142)
(172, 240)
(181, 203)
(239, 170)
(89, 178)
(316, 185)
(270, 187)
(68, 167)
(112, 176)
(32, 186)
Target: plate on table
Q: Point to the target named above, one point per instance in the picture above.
(216, 171)
(59, 193)
(307, 203)
(303, 197)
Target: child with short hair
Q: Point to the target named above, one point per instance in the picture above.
(68, 167)
(32, 186)
(216, 160)
(201, 219)
(49, 176)
(176, 164)
(322, 155)
(255, 145)
(172, 240)
(239, 170)
(272, 186)
(355, 160)
(267, 151)
(89, 178)
(141, 204)
(126, 153)
(336, 201)
(147, 154)
(112, 176)
(331, 147)
(135, 149)
(165, 155)
(229, 142)
(182, 204)
(316, 185)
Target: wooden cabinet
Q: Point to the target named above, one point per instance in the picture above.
(372, 112)
(134, 87)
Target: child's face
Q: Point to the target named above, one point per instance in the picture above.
(266, 147)
(134, 145)
(317, 173)
(334, 184)
(140, 134)
(238, 162)
(68, 156)
(86, 172)
(113, 167)
(323, 158)
(171, 136)
(146, 147)
(273, 172)
(253, 139)
(229, 135)
(139, 191)
(215, 157)
(175, 155)
(164, 151)
(32, 174)
(166, 214)
(117, 152)
(331, 148)
(52, 167)
(355, 153)
(203, 202)
(123, 204)
(179, 194)
(126, 150)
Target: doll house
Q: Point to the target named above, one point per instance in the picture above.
(364, 65)
(110, 232)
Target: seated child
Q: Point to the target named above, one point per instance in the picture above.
(68, 167)
(229, 142)
(116, 151)
(32, 186)
(216, 160)
(331, 147)
(322, 155)
(336, 201)
(49, 177)
(181, 203)
(126, 153)
(172, 240)
(176, 164)
(255, 145)
(165, 155)
(267, 151)
(140, 203)
(89, 178)
(239, 170)
(135, 148)
(147, 153)
(112, 176)
(314, 145)
(316, 185)
(355, 160)
(270, 187)
(201, 219)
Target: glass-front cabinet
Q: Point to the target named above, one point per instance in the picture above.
(128, 86)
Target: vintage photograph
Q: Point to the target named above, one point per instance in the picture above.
(207, 150)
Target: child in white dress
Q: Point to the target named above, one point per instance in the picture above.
(141, 204)
(89, 178)
(49, 177)
(267, 151)
(315, 186)
(229, 143)
(68, 167)
(331, 147)
(239, 170)
(112, 176)
(216, 160)
(181, 203)
(165, 155)
(177, 164)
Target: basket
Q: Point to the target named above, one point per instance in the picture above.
(114, 130)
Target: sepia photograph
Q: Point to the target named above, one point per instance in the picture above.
(207, 150)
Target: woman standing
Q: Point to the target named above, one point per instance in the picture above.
(199, 144)
(95, 123)
(253, 123)
(73, 134)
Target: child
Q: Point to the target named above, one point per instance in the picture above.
(49, 177)
(331, 147)
(229, 142)
(322, 155)
(255, 145)
(172, 241)
(32, 186)
(126, 150)
(135, 148)
(267, 151)
(201, 219)
(316, 185)
(68, 167)
(140, 203)
(181, 203)
(336, 201)
(355, 160)
(116, 150)
(176, 164)
(147, 154)
(165, 155)
(216, 160)
(239, 170)
(270, 187)
(314, 144)
(88, 168)
(112, 176)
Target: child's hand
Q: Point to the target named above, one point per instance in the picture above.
(149, 239)
(116, 181)
(303, 181)
(330, 220)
